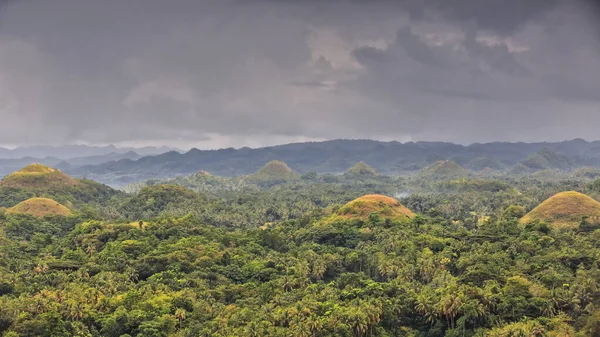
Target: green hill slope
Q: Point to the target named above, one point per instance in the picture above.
(443, 169)
(547, 159)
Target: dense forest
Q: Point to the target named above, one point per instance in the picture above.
(444, 252)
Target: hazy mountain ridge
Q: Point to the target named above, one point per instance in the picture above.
(9, 165)
(70, 157)
(335, 156)
(76, 151)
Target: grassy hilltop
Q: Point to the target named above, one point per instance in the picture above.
(385, 207)
(38, 176)
(39, 207)
(37, 180)
(565, 209)
(273, 172)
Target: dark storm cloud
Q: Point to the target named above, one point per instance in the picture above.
(500, 16)
(251, 72)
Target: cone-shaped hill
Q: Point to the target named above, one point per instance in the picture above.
(152, 200)
(37, 175)
(386, 207)
(40, 207)
(565, 210)
(361, 169)
(38, 180)
(443, 169)
(273, 172)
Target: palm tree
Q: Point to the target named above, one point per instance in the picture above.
(181, 315)
(449, 307)
(315, 324)
(426, 306)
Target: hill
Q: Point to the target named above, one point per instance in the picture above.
(565, 210)
(489, 172)
(73, 151)
(37, 175)
(361, 169)
(273, 172)
(547, 159)
(152, 200)
(335, 156)
(519, 169)
(587, 173)
(443, 169)
(484, 162)
(40, 207)
(37, 180)
(386, 207)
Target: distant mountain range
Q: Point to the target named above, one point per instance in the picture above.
(74, 151)
(337, 156)
(70, 157)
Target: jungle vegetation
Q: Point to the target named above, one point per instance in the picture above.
(301, 255)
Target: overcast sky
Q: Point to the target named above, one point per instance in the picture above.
(223, 73)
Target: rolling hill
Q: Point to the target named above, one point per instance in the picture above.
(37, 180)
(565, 210)
(151, 200)
(273, 172)
(385, 207)
(335, 156)
(547, 159)
(38, 176)
(73, 151)
(484, 162)
(443, 169)
(39, 207)
(361, 169)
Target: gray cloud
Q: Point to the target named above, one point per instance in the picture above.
(499, 16)
(253, 72)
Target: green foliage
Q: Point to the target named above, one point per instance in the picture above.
(594, 186)
(484, 162)
(261, 260)
(547, 159)
(514, 212)
(85, 192)
(152, 200)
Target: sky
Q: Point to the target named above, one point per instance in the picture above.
(233, 73)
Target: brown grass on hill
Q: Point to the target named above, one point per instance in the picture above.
(274, 170)
(385, 206)
(37, 175)
(276, 167)
(40, 207)
(361, 169)
(564, 210)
